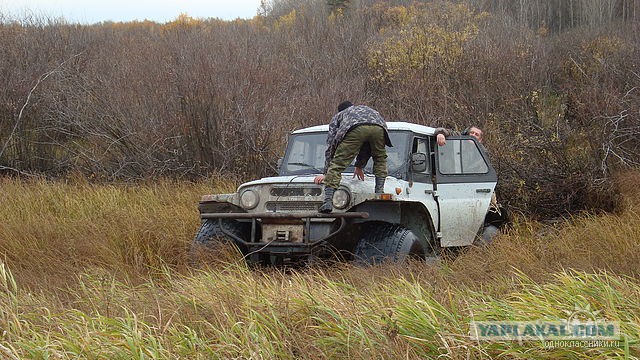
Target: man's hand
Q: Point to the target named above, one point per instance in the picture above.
(441, 139)
(318, 179)
(359, 173)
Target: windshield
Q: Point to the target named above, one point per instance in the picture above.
(305, 154)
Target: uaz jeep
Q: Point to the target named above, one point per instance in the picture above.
(436, 197)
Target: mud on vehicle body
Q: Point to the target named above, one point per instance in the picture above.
(436, 197)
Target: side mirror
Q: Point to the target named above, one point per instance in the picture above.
(279, 164)
(419, 162)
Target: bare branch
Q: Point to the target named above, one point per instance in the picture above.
(42, 78)
(2, 167)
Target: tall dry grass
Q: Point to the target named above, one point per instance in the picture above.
(98, 271)
(53, 229)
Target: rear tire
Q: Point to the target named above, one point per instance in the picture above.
(387, 242)
(489, 232)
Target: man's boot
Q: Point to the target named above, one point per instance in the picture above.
(379, 185)
(327, 205)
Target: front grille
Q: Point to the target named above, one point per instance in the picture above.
(296, 191)
(293, 206)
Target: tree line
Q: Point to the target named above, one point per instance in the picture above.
(554, 84)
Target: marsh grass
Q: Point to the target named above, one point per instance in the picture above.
(99, 271)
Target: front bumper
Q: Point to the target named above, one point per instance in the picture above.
(275, 246)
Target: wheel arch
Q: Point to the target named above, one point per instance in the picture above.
(412, 215)
(416, 217)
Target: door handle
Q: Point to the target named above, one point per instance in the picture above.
(483, 191)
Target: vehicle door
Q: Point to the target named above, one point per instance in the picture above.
(421, 181)
(465, 181)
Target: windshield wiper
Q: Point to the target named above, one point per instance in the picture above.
(307, 166)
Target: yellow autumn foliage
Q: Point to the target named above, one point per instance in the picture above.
(597, 54)
(603, 47)
(286, 21)
(420, 36)
(182, 21)
(336, 15)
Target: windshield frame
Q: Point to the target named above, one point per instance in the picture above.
(400, 139)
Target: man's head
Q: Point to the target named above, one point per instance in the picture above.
(343, 105)
(474, 131)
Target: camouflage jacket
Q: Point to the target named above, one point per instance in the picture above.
(446, 132)
(346, 120)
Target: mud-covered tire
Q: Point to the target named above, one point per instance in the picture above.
(489, 232)
(387, 242)
(211, 241)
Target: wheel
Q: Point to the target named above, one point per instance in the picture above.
(488, 233)
(211, 243)
(387, 242)
(497, 216)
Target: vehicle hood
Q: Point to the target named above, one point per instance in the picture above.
(291, 179)
(355, 185)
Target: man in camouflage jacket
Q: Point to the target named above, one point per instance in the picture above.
(442, 134)
(355, 131)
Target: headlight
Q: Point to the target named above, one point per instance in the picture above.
(249, 199)
(341, 198)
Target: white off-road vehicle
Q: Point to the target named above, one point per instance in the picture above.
(436, 197)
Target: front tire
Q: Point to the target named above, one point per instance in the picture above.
(212, 243)
(388, 242)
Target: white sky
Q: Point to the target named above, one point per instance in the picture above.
(92, 11)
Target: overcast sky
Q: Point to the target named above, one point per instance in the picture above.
(92, 11)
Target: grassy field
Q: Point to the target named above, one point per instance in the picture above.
(99, 272)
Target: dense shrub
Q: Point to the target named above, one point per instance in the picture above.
(554, 84)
